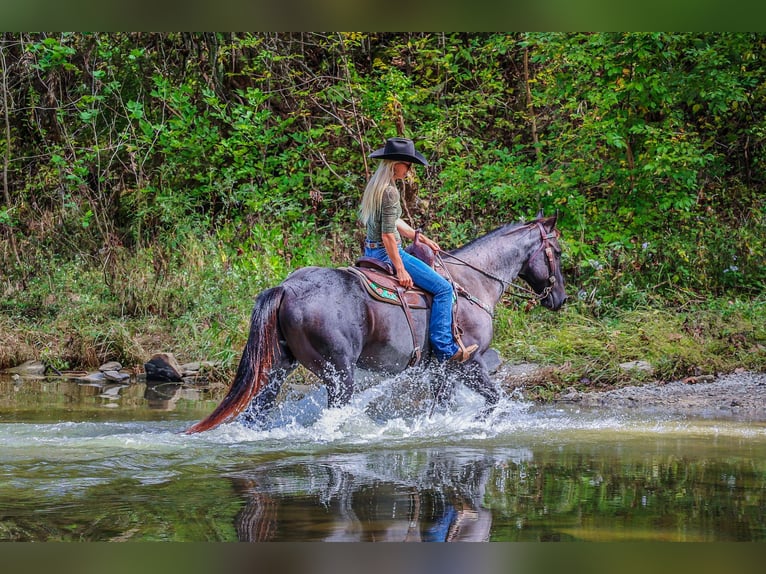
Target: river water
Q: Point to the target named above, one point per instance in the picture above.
(111, 463)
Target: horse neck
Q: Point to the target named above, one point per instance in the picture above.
(500, 254)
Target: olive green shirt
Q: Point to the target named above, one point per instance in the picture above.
(384, 220)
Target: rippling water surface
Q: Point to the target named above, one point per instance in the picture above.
(95, 463)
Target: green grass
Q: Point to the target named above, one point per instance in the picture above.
(582, 350)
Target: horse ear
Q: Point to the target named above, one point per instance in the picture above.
(540, 214)
(550, 222)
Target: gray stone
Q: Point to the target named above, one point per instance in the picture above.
(110, 366)
(28, 368)
(116, 376)
(98, 377)
(571, 395)
(644, 366)
(190, 368)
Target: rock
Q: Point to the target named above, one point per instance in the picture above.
(28, 369)
(190, 368)
(571, 395)
(520, 373)
(116, 376)
(644, 366)
(110, 366)
(163, 367)
(98, 377)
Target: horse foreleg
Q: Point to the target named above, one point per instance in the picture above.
(476, 378)
(340, 385)
(442, 387)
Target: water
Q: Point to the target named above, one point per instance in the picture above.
(112, 464)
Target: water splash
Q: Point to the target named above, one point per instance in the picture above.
(384, 413)
(399, 413)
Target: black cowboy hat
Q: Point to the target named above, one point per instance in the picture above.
(401, 149)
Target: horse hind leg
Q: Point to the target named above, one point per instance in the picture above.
(265, 400)
(332, 363)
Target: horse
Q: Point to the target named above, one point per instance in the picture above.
(324, 319)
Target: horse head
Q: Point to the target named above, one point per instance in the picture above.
(542, 270)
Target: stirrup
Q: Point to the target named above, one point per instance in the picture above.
(463, 354)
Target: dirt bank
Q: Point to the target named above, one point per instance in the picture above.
(740, 395)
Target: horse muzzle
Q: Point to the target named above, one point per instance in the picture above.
(555, 298)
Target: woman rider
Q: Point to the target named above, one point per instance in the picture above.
(381, 212)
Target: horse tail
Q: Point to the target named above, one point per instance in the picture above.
(259, 356)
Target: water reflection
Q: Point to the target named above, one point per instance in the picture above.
(391, 497)
(544, 494)
(59, 399)
(164, 396)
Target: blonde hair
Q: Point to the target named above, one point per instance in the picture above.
(373, 193)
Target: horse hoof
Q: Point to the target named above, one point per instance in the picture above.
(252, 419)
(484, 414)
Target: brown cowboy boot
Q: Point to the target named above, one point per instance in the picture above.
(463, 354)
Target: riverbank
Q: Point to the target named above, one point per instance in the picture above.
(580, 352)
(741, 394)
(738, 395)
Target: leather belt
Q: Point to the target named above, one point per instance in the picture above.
(376, 244)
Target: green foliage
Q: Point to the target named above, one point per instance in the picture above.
(127, 149)
(637, 123)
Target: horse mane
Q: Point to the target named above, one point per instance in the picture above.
(492, 235)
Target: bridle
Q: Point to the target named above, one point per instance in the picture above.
(524, 292)
(547, 248)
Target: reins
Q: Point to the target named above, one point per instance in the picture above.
(526, 292)
(503, 282)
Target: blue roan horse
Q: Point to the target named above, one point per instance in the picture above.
(324, 319)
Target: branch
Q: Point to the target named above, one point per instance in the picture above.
(6, 118)
(530, 107)
(7, 154)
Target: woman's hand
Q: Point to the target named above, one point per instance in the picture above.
(392, 249)
(430, 243)
(405, 280)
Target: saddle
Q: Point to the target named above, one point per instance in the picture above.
(380, 281)
(382, 284)
(379, 278)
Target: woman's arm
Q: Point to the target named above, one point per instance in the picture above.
(392, 249)
(408, 233)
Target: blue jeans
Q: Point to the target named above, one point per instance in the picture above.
(440, 325)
